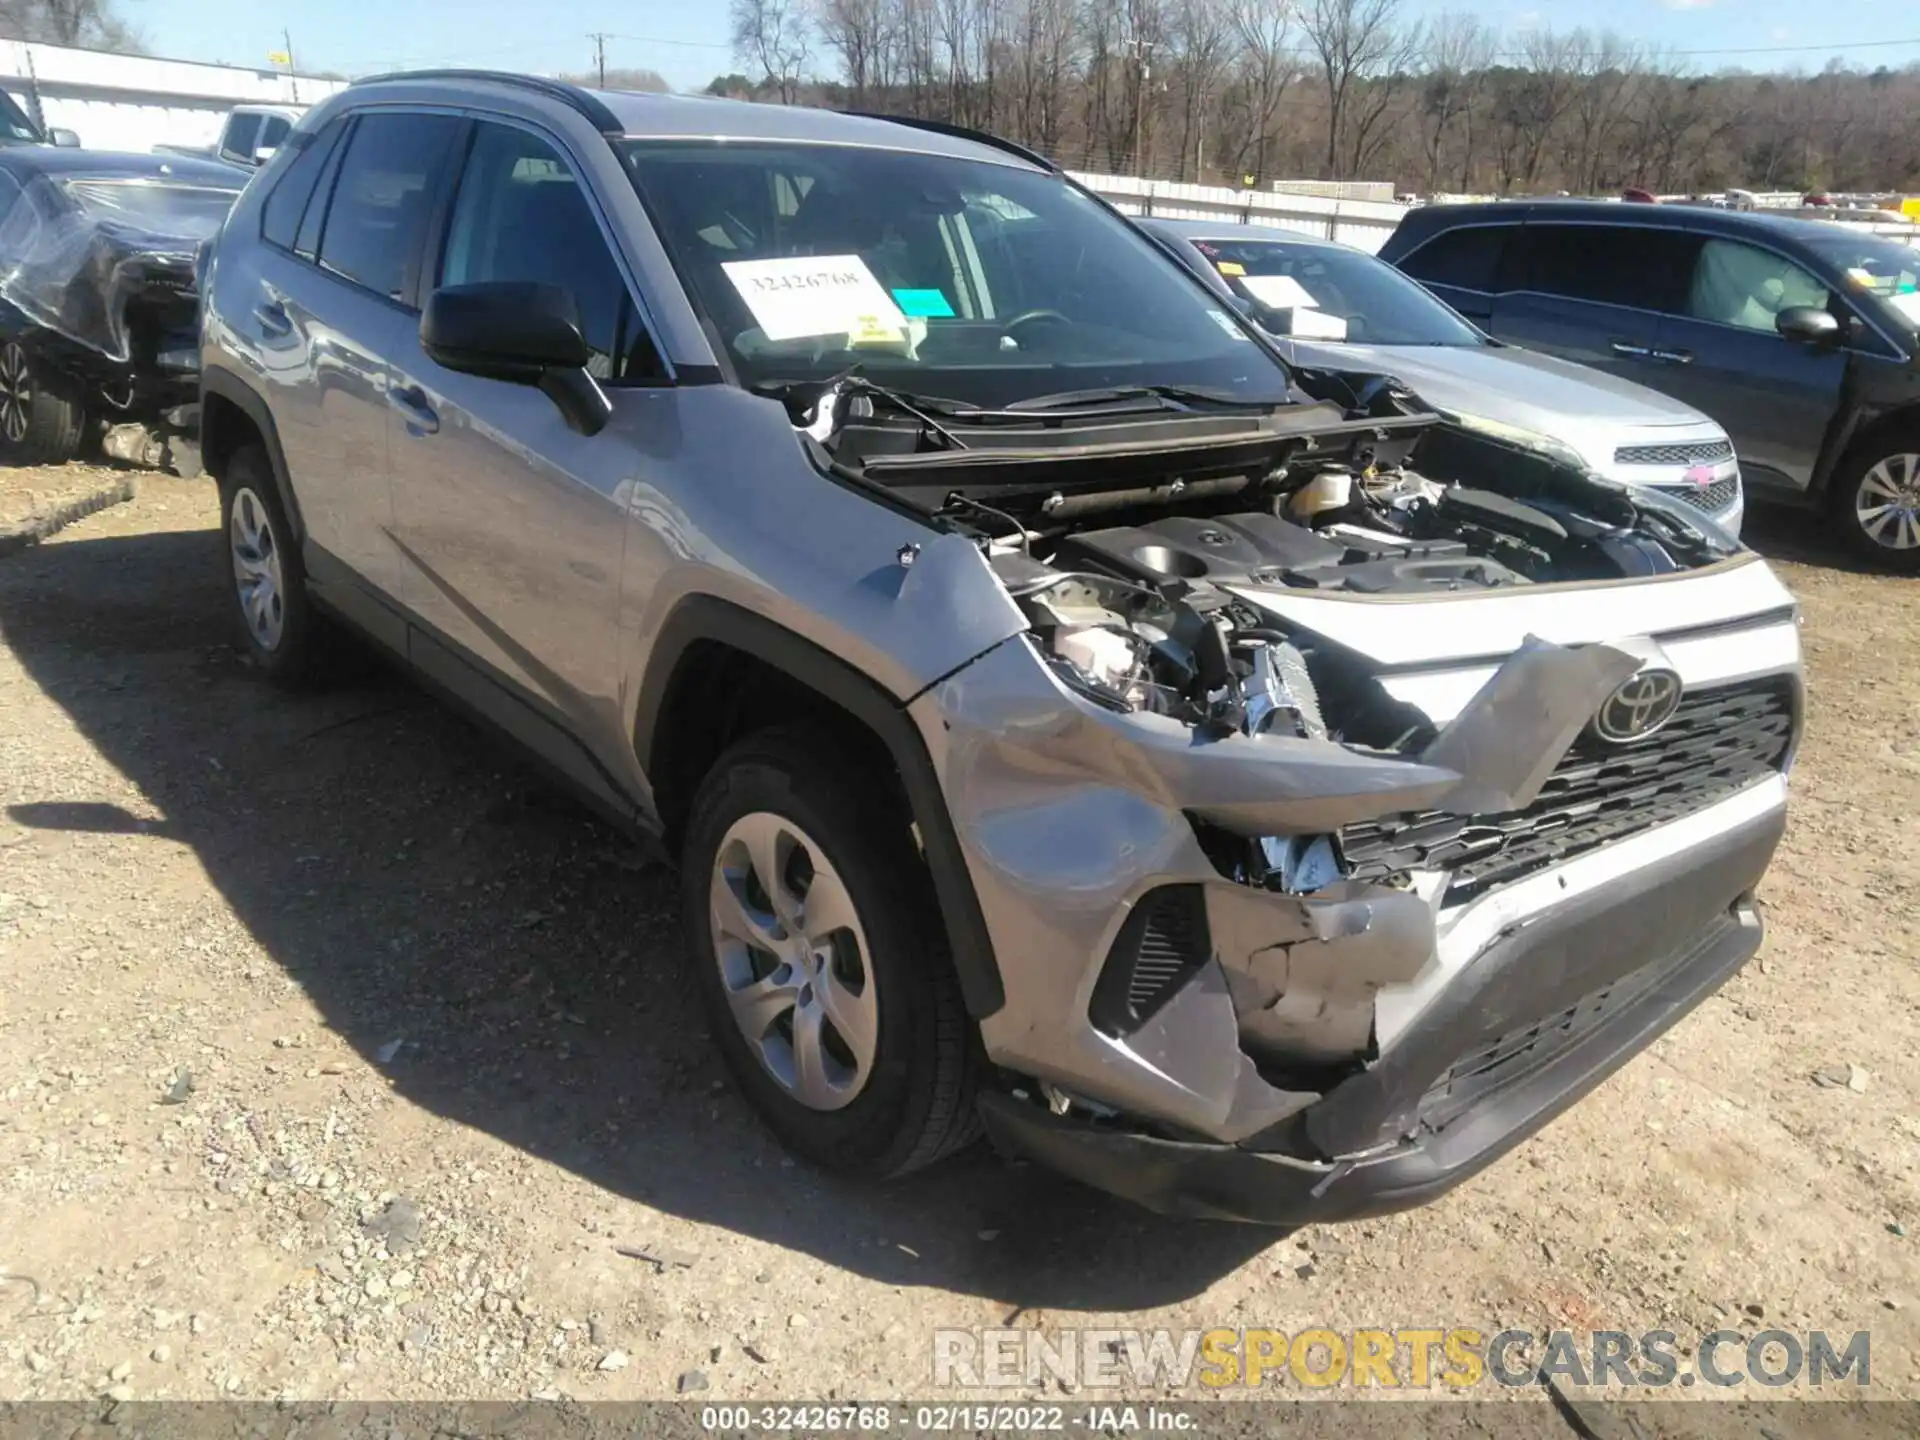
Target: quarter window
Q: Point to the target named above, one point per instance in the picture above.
(521, 215)
(1467, 258)
(378, 216)
(280, 216)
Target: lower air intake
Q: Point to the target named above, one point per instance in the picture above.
(1163, 942)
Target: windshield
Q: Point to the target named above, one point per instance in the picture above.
(968, 280)
(190, 210)
(1318, 292)
(1878, 266)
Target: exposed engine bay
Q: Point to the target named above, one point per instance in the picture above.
(1153, 615)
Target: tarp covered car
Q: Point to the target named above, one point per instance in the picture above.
(98, 311)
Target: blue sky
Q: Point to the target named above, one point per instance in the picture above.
(686, 42)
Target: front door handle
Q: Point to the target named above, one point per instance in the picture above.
(1674, 357)
(1632, 352)
(411, 402)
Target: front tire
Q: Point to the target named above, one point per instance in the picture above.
(40, 422)
(1877, 502)
(278, 630)
(821, 961)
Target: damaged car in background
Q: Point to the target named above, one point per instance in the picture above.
(98, 307)
(1236, 786)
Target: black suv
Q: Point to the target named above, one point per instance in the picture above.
(1798, 336)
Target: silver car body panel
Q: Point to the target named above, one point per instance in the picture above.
(559, 563)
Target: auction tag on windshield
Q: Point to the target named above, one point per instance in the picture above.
(1230, 267)
(1312, 324)
(817, 295)
(1282, 292)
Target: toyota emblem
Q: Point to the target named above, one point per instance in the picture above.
(1642, 704)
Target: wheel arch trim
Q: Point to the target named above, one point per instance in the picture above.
(234, 391)
(705, 618)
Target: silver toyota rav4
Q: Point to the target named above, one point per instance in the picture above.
(1237, 788)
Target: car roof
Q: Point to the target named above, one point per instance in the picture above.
(1701, 218)
(1234, 230)
(117, 165)
(637, 116)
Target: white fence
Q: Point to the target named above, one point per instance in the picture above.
(1364, 224)
(134, 102)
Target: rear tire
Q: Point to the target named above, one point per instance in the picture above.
(1876, 501)
(277, 628)
(40, 422)
(854, 1044)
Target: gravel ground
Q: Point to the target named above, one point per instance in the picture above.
(36, 503)
(339, 1058)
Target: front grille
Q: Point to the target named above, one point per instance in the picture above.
(1162, 943)
(1719, 741)
(1698, 452)
(1711, 498)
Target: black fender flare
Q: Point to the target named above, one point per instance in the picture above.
(706, 618)
(236, 392)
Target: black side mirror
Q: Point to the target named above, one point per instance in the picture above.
(521, 332)
(1807, 325)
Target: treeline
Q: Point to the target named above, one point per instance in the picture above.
(1247, 91)
(95, 24)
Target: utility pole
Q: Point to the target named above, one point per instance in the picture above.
(1143, 55)
(286, 38)
(600, 56)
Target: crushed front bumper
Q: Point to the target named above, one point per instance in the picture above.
(1527, 1027)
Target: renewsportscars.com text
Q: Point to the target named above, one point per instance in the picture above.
(1456, 1358)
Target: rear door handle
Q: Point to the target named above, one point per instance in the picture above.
(411, 402)
(1632, 352)
(1674, 357)
(273, 318)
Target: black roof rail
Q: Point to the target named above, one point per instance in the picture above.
(961, 132)
(583, 101)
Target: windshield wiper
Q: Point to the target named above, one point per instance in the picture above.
(850, 383)
(1178, 395)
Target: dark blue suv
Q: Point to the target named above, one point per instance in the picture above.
(1799, 336)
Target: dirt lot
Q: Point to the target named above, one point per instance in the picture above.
(396, 966)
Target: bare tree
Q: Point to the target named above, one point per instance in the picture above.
(1202, 45)
(96, 24)
(1606, 74)
(1364, 53)
(775, 35)
(856, 31)
(1458, 52)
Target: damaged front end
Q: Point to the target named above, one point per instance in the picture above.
(1337, 825)
(98, 284)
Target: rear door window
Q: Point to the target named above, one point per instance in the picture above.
(377, 220)
(237, 142)
(1644, 269)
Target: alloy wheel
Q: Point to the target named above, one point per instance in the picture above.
(256, 569)
(794, 961)
(1887, 504)
(16, 392)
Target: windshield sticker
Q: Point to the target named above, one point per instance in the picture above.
(1312, 324)
(1225, 322)
(1230, 267)
(1282, 292)
(806, 295)
(927, 304)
